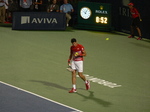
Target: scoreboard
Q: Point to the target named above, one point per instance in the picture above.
(96, 16)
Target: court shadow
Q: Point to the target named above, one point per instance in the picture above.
(53, 85)
(50, 84)
(97, 100)
(90, 97)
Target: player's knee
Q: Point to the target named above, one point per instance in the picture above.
(80, 74)
(73, 72)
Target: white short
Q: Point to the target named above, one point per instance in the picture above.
(77, 65)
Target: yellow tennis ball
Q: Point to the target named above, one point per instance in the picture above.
(107, 38)
(76, 54)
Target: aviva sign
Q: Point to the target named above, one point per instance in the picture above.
(39, 21)
(28, 20)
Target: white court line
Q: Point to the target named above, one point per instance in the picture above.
(76, 110)
(101, 81)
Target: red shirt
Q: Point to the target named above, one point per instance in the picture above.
(79, 50)
(134, 12)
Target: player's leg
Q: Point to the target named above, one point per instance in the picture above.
(79, 65)
(132, 29)
(81, 76)
(73, 78)
(87, 83)
(68, 16)
(132, 32)
(3, 14)
(137, 24)
(139, 32)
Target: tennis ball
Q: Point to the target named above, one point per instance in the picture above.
(76, 54)
(107, 38)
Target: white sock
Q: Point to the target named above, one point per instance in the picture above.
(86, 81)
(74, 86)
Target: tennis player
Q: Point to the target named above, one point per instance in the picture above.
(77, 52)
(135, 21)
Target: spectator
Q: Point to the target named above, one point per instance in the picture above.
(37, 5)
(2, 11)
(13, 7)
(53, 7)
(25, 5)
(68, 9)
(6, 11)
(136, 18)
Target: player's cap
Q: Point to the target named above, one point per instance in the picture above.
(130, 4)
(73, 40)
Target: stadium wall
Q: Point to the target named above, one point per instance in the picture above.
(121, 19)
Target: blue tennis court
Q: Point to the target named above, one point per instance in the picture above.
(13, 99)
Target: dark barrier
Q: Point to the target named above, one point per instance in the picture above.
(39, 21)
(121, 19)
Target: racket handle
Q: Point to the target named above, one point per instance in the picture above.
(69, 65)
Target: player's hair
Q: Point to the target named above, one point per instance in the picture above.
(73, 40)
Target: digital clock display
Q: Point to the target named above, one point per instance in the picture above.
(102, 20)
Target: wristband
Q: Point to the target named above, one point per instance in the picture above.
(68, 60)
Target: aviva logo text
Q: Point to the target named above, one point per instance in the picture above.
(28, 20)
(25, 19)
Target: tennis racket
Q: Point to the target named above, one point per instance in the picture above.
(69, 68)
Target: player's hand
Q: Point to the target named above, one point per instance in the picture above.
(76, 54)
(69, 65)
(69, 62)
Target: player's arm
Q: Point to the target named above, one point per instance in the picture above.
(70, 57)
(6, 3)
(72, 10)
(83, 53)
(61, 10)
(138, 14)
